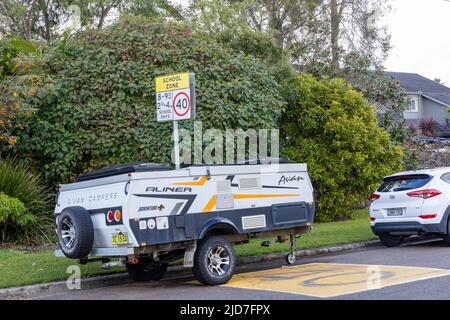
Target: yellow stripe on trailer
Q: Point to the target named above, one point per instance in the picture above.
(212, 202)
(200, 182)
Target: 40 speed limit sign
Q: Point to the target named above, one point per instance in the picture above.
(175, 97)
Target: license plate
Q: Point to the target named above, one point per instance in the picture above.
(120, 238)
(397, 212)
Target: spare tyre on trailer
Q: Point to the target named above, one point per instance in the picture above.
(75, 232)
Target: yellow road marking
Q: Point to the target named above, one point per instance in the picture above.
(212, 202)
(332, 279)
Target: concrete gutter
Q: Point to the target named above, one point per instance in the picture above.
(39, 290)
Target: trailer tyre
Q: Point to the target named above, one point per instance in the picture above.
(290, 258)
(147, 270)
(75, 232)
(214, 261)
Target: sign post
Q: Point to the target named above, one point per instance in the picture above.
(175, 101)
(176, 144)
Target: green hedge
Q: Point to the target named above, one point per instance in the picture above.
(331, 127)
(97, 106)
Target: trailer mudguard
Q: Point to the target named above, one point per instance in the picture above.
(218, 223)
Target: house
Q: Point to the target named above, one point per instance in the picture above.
(428, 99)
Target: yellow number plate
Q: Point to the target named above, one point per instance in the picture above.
(120, 238)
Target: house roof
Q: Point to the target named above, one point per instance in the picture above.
(413, 82)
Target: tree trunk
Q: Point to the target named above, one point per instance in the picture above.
(4, 229)
(276, 24)
(47, 34)
(103, 13)
(28, 17)
(334, 25)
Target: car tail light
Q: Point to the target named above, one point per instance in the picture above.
(426, 193)
(374, 197)
(428, 216)
(372, 218)
(117, 215)
(110, 216)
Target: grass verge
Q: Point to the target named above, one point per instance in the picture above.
(19, 268)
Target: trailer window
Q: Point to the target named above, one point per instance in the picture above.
(403, 183)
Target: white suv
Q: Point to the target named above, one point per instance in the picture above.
(409, 203)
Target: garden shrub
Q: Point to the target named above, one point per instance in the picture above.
(26, 199)
(429, 127)
(18, 83)
(331, 127)
(13, 211)
(97, 106)
(10, 48)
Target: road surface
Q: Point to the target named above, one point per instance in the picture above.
(412, 271)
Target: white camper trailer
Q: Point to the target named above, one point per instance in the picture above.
(146, 215)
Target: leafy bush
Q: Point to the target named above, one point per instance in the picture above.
(412, 129)
(10, 48)
(17, 83)
(331, 127)
(97, 107)
(429, 127)
(13, 211)
(19, 187)
(260, 45)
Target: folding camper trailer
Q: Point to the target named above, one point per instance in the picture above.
(144, 216)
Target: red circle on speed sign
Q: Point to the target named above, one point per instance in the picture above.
(182, 97)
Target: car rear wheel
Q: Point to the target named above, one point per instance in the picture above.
(446, 237)
(146, 270)
(214, 261)
(390, 240)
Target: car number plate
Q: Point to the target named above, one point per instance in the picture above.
(120, 238)
(397, 212)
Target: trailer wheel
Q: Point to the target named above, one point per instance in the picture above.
(290, 258)
(214, 261)
(75, 232)
(146, 270)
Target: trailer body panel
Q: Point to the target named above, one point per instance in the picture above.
(161, 208)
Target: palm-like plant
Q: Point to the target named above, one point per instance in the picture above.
(18, 181)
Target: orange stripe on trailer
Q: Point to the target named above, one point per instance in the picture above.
(212, 202)
(259, 196)
(191, 183)
(210, 205)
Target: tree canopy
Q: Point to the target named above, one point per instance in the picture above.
(96, 103)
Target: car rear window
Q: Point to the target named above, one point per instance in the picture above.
(402, 183)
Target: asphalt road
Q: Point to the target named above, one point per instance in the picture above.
(422, 255)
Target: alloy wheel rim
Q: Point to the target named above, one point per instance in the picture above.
(68, 232)
(218, 260)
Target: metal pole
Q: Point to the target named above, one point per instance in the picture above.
(177, 147)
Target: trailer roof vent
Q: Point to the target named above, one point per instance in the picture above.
(250, 183)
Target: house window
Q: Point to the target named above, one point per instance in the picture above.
(413, 105)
